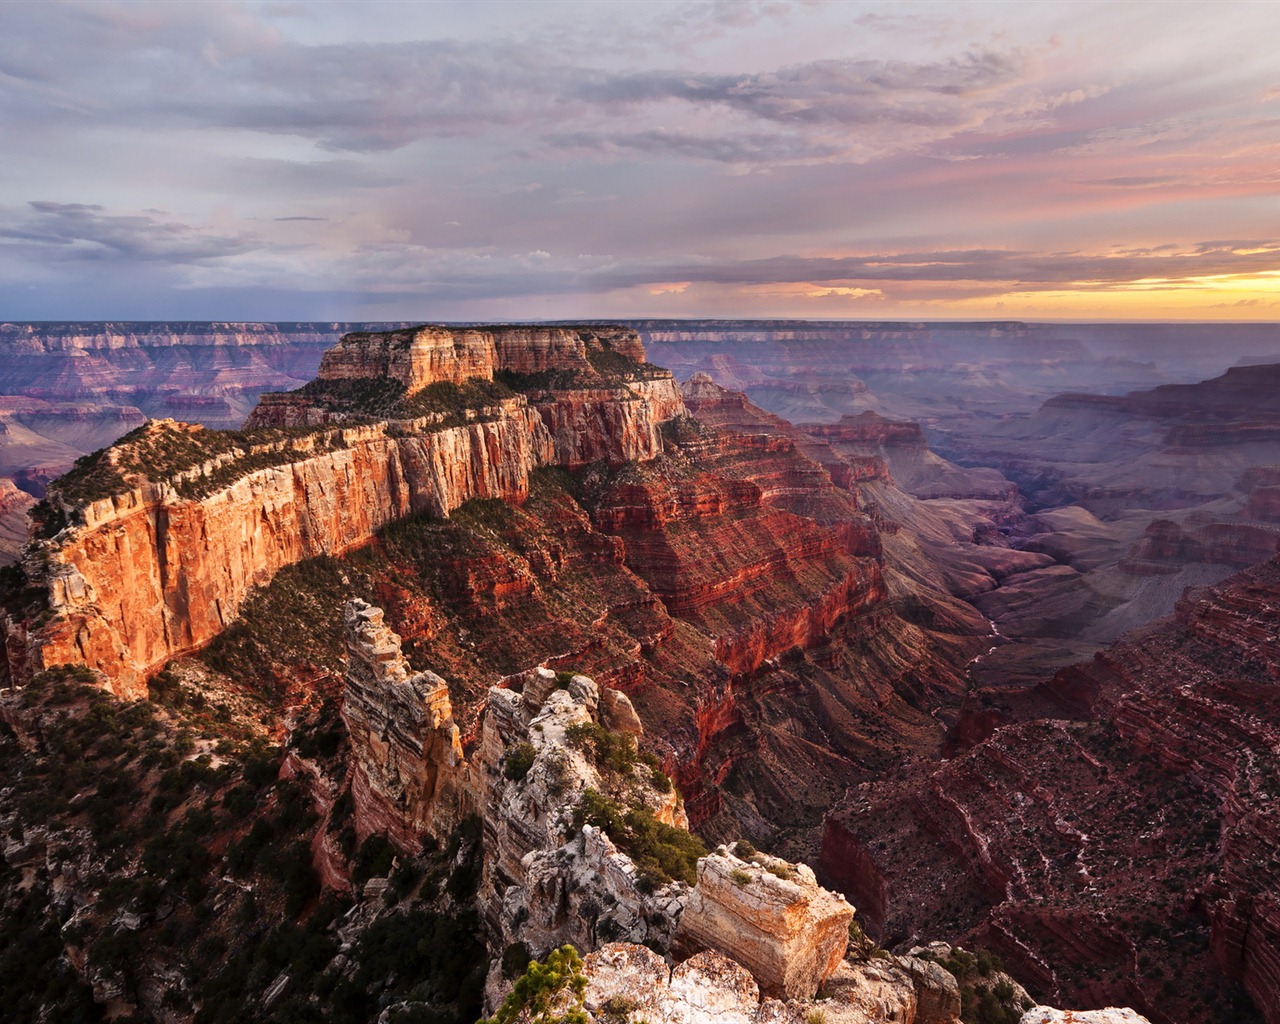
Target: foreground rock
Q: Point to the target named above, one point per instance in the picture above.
(632, 983)
(770, 916)
(1111, 1015)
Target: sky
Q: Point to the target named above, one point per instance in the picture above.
(513, 161)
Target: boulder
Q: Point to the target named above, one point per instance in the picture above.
(770, 916)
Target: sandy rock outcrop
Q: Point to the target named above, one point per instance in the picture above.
(409, 772)
(1110, 1015)
(634, 984)
(770, 916)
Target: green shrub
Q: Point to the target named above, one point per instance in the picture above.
(518, 760)
(612, 752)
(547, 993)
(661, 852)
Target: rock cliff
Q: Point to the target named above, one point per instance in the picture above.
(408, 777)
(152, 547)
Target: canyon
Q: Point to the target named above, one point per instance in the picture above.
(466, 572)
(1123, 825)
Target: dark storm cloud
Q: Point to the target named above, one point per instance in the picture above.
(79, 231)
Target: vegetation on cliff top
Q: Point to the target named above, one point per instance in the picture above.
(161, 450)
(366, 399)
(661, 852)
(608, 369)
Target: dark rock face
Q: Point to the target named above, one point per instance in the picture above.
(1138, 838)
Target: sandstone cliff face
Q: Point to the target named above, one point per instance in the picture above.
(426, 355)
(771, 917)
(612, 425)
(409, 774)
(149, 574)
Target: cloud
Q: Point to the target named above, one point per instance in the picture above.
(81, 231)
(195, 69)
(562, 152)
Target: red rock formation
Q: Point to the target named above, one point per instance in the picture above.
(869, 428)
(148, 574)
(760, 548)
(1092, 854)
(409, 778)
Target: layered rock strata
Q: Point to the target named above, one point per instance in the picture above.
(1043, 839)
(162, 562)
(426, 355)
(409, 772)
(770, 916)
